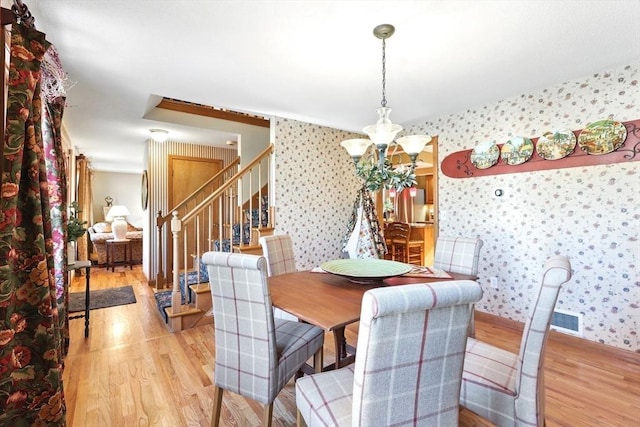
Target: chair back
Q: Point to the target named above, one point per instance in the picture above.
(244, 326)
(457, 254)
(530, 376)
(278, 250)
(398, 231)
(411, 346)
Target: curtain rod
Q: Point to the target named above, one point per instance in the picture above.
(23, 14)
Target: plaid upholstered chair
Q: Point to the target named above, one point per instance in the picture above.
(508, 388)
(408, 365)
(278, 250)
(256, 355)
(457, 254)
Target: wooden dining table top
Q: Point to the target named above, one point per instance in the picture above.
(328, 300)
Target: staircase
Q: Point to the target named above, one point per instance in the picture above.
(229, 213)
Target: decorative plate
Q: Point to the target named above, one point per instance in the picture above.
(556, 145)
(602, 137)
(516, 151)
(485, 155)
(366, 271)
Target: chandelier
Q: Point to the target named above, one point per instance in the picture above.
(383, 132)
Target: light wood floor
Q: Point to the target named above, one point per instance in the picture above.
(132, 372)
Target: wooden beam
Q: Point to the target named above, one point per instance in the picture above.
(201, 110)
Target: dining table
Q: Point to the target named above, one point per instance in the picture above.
(332, 302)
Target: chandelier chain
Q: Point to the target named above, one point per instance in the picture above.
(384, 74)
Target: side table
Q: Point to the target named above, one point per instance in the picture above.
(112, 244)
(87, 268)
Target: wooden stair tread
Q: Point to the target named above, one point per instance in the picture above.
(184, 310)
(199, 288)
(248, 249)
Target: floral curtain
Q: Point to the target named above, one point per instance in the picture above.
(31, 349)
(57, 189)
(364, 237)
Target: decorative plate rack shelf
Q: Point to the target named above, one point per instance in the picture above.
(459, 164)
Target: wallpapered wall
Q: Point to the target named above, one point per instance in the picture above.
(591, 214)
(315, 189)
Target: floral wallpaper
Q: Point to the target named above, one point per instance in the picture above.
(591, 214)
(316, 188)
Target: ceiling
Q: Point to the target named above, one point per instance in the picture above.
(315, 61)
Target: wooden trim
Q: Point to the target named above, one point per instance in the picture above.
(579, 344)
(7, 16)
(201, 110)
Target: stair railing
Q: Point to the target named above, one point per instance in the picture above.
(219, 220)
(188, 204)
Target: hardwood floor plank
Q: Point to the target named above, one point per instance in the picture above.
(131, 371)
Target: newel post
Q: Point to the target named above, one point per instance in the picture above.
(176, 227)
(159, 252)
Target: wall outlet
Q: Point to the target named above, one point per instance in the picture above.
(494, 282)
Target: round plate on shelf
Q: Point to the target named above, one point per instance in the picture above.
(602, 137)
(516, 151)
(485, 155)
(365, 271)
(556, 145)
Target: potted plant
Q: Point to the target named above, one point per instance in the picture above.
(75, 229)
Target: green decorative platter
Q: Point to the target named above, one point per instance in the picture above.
(365, 271)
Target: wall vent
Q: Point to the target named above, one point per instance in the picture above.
(567, 321)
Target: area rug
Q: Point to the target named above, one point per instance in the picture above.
(102, 298)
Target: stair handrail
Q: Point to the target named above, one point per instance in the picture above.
(161, 220)
(178, 223)
(225, 186)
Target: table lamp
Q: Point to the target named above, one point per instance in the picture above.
(119, 225)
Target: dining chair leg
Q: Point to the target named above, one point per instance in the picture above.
(318, 360)
(217, 406)
(471, 331)
(267, 415)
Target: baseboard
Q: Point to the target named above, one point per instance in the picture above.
(578, 343)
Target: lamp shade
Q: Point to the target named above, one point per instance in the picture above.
(119, 225)
(384, 131)
(413, 144)
(356, 147)
(118, 211)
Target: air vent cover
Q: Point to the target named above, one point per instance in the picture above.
(567, 321)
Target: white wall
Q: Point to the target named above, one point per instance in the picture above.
(124, 188)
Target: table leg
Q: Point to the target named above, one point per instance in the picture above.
(87, 303)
